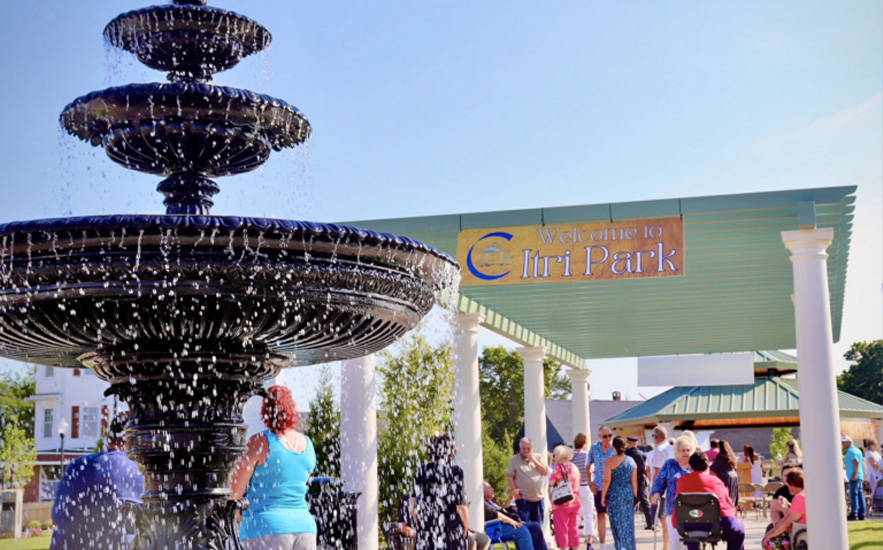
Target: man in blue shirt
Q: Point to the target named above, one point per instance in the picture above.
(598, 455)
(88, 509)
(853, 461)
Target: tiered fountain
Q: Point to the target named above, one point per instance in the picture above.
(185, 314)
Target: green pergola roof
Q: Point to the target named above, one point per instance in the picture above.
(770, 401)
(735, 295)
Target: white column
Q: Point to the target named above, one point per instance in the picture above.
(467, 416)
(819, 413)
(535, 410)
(579, 388)
(534, 398)
(358, 449)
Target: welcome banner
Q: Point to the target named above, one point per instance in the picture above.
(572, 252)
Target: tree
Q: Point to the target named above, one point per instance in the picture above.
(779, 447)
(15, 406)
(17, 446)
(495, 459)
(864, 378)
(415, 396)
(501, 385)
(324, 426)
(18, 456)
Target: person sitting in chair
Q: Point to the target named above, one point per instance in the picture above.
(701, 481)
(527, 535)
(775, 538)
(782, 498)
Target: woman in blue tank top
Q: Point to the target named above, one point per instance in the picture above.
(273, 475)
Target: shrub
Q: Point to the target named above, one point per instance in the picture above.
(33, 524)
(48, 524)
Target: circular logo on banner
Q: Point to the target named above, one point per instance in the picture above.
(490, 257)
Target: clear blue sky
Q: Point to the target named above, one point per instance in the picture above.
(423, 108)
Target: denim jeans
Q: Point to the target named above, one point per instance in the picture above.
(536, 534)
(521, 536)
(856, 499)
(530, 511)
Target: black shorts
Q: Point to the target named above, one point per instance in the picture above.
(598, 508)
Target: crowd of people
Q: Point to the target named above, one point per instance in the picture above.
(592, 485)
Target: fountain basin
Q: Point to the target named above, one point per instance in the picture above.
(185, 127)
(106, 289)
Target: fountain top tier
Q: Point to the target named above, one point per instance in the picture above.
(187, 130)
(190, 40)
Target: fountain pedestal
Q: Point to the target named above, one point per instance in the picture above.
(185, 432)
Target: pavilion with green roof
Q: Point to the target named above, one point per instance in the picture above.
(773, 401)
(730, 273)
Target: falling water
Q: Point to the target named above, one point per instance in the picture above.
(186, 314)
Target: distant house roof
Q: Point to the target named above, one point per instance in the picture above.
(553, 437)
(770, 401)
(559, 419)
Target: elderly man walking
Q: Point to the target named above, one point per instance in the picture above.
(527, 473)
(598, 455)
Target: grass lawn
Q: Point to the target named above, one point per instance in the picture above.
(31, 543)
(866, 535)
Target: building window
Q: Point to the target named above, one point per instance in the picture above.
(48, 422)
(49, 372)
(91, 422)
(49, 479)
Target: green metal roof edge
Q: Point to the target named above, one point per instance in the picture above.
(639, 414)
(657, 208)
(849, 402)
(495, 322)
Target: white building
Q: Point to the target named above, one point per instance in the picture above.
(69, 402)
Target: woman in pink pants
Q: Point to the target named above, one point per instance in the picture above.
(565, 515)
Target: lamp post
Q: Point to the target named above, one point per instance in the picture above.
(62, 428)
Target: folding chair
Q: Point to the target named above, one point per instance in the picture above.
(747, 499)
(699, 518)
(494, 530)
(764, 502)
(773, 486)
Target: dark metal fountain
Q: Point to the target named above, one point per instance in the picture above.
(185, 314)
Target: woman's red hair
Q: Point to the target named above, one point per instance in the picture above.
(278, 411)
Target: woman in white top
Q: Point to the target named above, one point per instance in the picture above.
(873, 464)
(756, 467)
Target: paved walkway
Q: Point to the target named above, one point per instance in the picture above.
(754, 531)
